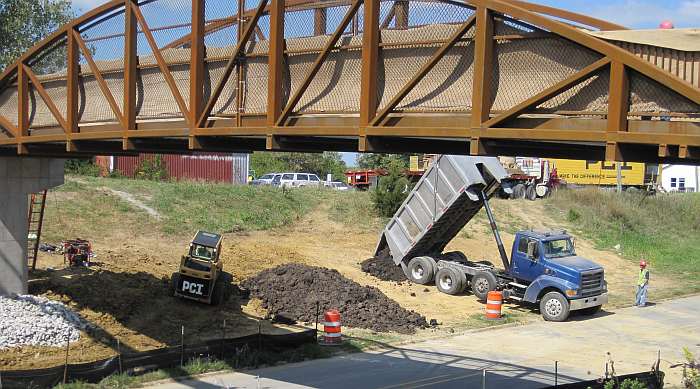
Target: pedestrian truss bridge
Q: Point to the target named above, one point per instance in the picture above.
(497, 77)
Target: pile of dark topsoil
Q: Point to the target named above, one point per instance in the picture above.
(293, 290)
(383, 267)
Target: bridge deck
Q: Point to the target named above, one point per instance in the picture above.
(460, 79)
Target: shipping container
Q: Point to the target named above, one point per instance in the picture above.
(598, 173)
(210, 167)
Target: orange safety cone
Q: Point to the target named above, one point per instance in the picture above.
(331, 328)
(494, 302)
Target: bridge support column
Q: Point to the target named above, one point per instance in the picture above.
(18, 178)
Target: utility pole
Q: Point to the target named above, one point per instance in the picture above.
(618, 167)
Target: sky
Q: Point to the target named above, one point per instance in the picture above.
(631, 13)
(638, 14)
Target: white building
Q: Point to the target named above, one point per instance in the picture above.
(680, 178)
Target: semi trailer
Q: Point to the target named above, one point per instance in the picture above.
(543, 267)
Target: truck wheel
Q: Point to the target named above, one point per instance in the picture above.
(174, 282)
(591, 311)
(554, 307)
(482, 283)
(531, 193)
(450, 281)
(421, 270)
(518, 191)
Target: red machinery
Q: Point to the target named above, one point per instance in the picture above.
(76, 252)
(364, 179)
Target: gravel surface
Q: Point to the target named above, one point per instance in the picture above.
(37, 321)
(293, 290)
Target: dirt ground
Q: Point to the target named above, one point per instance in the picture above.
(127, 295)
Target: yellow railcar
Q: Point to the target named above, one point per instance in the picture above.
(599, 173)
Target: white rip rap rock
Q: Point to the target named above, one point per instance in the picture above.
(37, 321)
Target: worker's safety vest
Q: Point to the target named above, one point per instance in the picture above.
(642, 276)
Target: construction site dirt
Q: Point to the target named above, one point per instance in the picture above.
(384, 268)
(296, 291)
(126, 293)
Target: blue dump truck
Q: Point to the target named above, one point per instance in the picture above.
(543, 267)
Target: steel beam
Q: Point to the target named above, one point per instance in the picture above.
(197, 66)
(47, 99)
(369, 93)
(72, 85)
(161, 61)
(233, 61)
(98, 77)
(483, 67)
(401, 12)
(130, 69)
(619, 98)
(275, 62)
(436, 57)
(320, 59)
(320, 21)
(548, 93)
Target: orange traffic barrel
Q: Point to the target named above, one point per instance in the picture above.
(494, 302)
(331, 328)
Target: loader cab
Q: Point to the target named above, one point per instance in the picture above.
(202, 259)
(206, 246)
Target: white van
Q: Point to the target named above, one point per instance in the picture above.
(296, 180)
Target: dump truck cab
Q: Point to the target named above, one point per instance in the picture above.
(545, 266)
(201, 277)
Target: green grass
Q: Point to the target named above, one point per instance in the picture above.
(662, 229)
(354, 208)
(184, 206)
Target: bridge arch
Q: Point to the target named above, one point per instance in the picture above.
(477, 76)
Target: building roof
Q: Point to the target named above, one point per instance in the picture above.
(684, 39)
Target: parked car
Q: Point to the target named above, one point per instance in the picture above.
(296, 180)
(266, 179)
(337, 185)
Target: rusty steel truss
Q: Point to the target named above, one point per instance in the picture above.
(383, 108)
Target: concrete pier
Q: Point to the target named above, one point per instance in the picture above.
(18, 178)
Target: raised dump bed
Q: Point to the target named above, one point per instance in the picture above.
(543, 267)
(445, 199)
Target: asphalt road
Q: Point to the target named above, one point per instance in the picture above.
(514, 357)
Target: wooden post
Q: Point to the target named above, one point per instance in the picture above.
(182, 347)
(119, 353)
(65, 365)
(223, 338)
